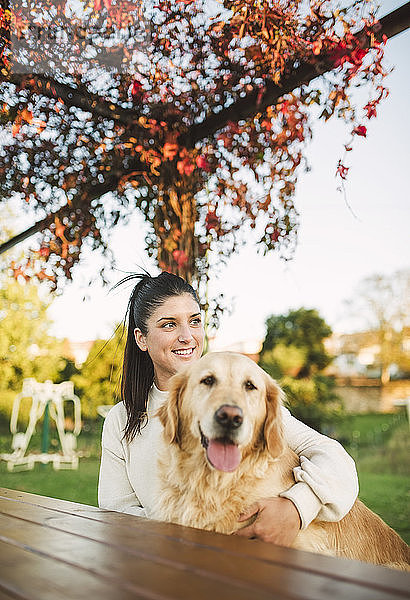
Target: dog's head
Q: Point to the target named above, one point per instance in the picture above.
(227, 404)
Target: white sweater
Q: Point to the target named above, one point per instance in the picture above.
(326, 480)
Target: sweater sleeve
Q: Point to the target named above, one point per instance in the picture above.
(114, 488)
(326, 480)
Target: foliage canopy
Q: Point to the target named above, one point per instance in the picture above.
(194, 113)
(26, 349)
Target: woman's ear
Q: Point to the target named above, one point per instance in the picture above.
(168, 414)
(140, 339)
(273, 430)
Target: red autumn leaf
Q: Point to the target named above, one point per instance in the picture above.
(211, 221)
(259, 97)
(274, 236)
(370, 109)
(357, 56)
(16, 127)
(342, 170)
(136, 90)
(44, 251)
(202, 163)
(185, 167)
(99, 3)
(26, 115)
(180, 258)
(316, 47)
(170, 151)
(360, 130)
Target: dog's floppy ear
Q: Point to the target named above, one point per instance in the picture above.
(168, 414)
(273, 430)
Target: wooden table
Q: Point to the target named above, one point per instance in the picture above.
(53, 549)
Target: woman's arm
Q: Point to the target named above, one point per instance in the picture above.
(326, 480)
(326, 487)
(114, 489)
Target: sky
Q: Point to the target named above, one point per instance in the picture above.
(336, 249)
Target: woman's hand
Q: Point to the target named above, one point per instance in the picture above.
(277, 521)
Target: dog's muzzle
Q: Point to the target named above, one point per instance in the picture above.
(229, 416)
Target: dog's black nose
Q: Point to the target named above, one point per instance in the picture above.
(228, 416)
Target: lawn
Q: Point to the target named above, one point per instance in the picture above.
(380, 445)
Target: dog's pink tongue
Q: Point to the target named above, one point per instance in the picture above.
(225, 457)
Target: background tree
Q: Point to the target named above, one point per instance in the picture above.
(26, 348)
(293, 352)
(381, 303)
(197, 116)
(299, 334)
(98, 380)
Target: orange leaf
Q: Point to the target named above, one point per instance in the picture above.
(27, 115)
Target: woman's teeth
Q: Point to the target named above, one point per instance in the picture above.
(187, 352)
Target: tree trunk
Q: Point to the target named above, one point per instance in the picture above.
(175, 219)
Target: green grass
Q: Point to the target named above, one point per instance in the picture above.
(77, 486)
(368, 429)
(388, 496)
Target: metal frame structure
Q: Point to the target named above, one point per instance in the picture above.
(47, 399)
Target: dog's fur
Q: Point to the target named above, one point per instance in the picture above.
(194, 493)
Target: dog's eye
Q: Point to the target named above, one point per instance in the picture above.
(209, 380)
(249, 385)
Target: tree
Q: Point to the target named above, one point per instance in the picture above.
(98, 380)
(200, 124)
(26, 349)
(293, 352)
(301, 333)
(382, 302)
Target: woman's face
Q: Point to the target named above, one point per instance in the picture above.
(175, 337)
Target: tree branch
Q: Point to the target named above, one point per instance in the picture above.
(95, 192)
(92, 103)
(391, 25)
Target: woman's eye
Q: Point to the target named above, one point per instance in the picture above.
(196, 321)
(249, 385)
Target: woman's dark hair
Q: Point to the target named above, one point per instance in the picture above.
(138, 369)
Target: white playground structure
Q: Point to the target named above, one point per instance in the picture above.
(47, 399)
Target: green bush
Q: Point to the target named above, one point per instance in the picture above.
(98, 380)
(6, 404)
(313, 401)
(294, 354)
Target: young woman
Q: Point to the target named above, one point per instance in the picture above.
(165, 333)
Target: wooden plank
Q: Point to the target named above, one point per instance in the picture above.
(55, 503)
(30, 576)
(222, 566)
(5, 596)
(147, 577)
(343, 570)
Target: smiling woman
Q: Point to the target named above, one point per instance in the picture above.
(165, 334)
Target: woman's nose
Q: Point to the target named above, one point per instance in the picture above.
(185, 334)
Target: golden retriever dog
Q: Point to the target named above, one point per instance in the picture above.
(224, 448)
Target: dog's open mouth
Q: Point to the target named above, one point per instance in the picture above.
(222, 453)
